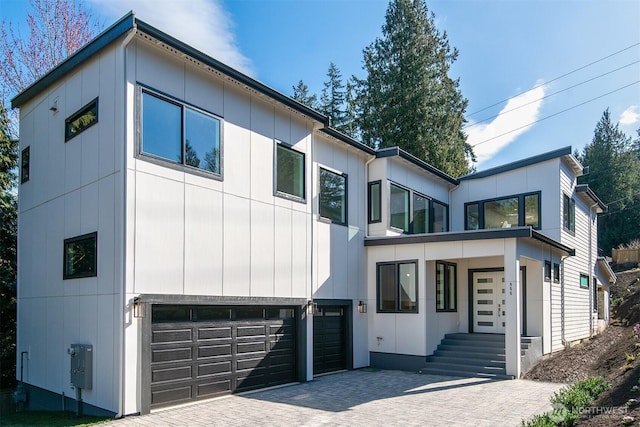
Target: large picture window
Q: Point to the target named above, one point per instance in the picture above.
(504, 212)
(397, 286)
(569, 214)
(333, 196)
(415, 213)
(290, 180)
(81, 256)
(446, 286)
(86, 117)
(180, 134)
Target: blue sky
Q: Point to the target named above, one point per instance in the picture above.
(509, 53)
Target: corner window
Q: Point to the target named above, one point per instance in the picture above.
(415, 213)
(81, 120)
(420, 221)
(80, 256)
(289, 172)
(569, 214)
(399, 205)
(25, 165)
(375, 207)
(333, 196)
(397, 287)
(547, 271)
(556, 272)
(180, 134)
(584, 281)
(446, 286)
(505, 212)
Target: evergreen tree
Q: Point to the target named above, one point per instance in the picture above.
(614, 176)
(407, 98)
(332, 100)
(350, 126)
(301, 94)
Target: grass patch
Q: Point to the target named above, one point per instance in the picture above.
(49, 418)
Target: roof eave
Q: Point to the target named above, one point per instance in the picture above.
(399, 152)
(348, 140)
(586, 190)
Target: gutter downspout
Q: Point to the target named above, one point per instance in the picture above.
(366, 205)
(123, 239)
(591, 273)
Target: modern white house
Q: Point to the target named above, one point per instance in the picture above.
(185, 231)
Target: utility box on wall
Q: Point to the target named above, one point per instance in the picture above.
(81, 365)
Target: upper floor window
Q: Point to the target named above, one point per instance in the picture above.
(415, 213)
(397, 287)
(81, 256)
(504, 212)
(333, 196)
(25, 165)
(290, 176)
(584, 281)
(569, 214)
(375, 207)
(180, 134)
(86, 117)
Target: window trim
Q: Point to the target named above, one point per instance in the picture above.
(346, 196)
(24, 176)
(447, 301)
(281, 194)
(179, 166)
(521, 209)
(594, 283)
(369, 201)
(75, 116)
(89, 236)
(571, 228)
(396, 264)
(584, 276)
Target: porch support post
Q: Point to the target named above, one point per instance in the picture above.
(513, 307)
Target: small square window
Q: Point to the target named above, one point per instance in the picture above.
(25, 165)
(80, 256)
(290, 176)
(333, 196)
(584, 281)
(547, 271)
(82, 120)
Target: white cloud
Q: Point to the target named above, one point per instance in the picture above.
(202, 24)
(630, 116)
(513, 120)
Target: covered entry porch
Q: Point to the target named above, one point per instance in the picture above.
(471, 282)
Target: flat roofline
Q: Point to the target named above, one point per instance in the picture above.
(468, 235)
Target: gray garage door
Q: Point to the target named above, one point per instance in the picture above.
(203, 351)
(329, 340)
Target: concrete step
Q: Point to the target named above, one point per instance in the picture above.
(471, 348)
(464, 374)
(470, 355)
(476, 337)
(467, 361)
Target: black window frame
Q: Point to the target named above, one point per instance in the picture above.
(282, 194)
(430, 210)
(584, 276)
(521, 210)
(556, 272)
(397, 287)
(594, 283)
(448, 307)
(345, 219)
(371, 209)
(25, 165)
(184, 106)
(569, 214)
(94, 262)
(547, 271)
(68, 122)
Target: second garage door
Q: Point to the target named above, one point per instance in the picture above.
(204, 351)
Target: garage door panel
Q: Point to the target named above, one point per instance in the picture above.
(214, 350)
(251, 380)
(172, 335)
(173, 395)
(255, 363)
(172, 374)
(213, 333)
(210, 389)
(251, 347)
(171, 354)
(251, 331)
(206, 369)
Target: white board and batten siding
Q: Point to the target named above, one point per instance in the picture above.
(73, 189)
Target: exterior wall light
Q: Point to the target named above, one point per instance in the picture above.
(138, 308)
(362, 307)
(312, 308)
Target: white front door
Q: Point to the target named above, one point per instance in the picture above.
(489, 302)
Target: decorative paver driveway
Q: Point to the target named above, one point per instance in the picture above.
(367, 397)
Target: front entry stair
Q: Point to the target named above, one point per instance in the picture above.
(478, 355)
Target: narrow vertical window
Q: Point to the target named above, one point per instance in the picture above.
(446, 286)
(556, 272)
(595, 295)
(532, 210)
(289, 172)
(440, 217)
(420, 221)
(25, 165)
(399, 205)
(472, 217)
(569, 214)
(80, 256)
(81, 120)
(375, 208)
(161, 128)
(547, 271)
(202, 141)
(333, 196)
